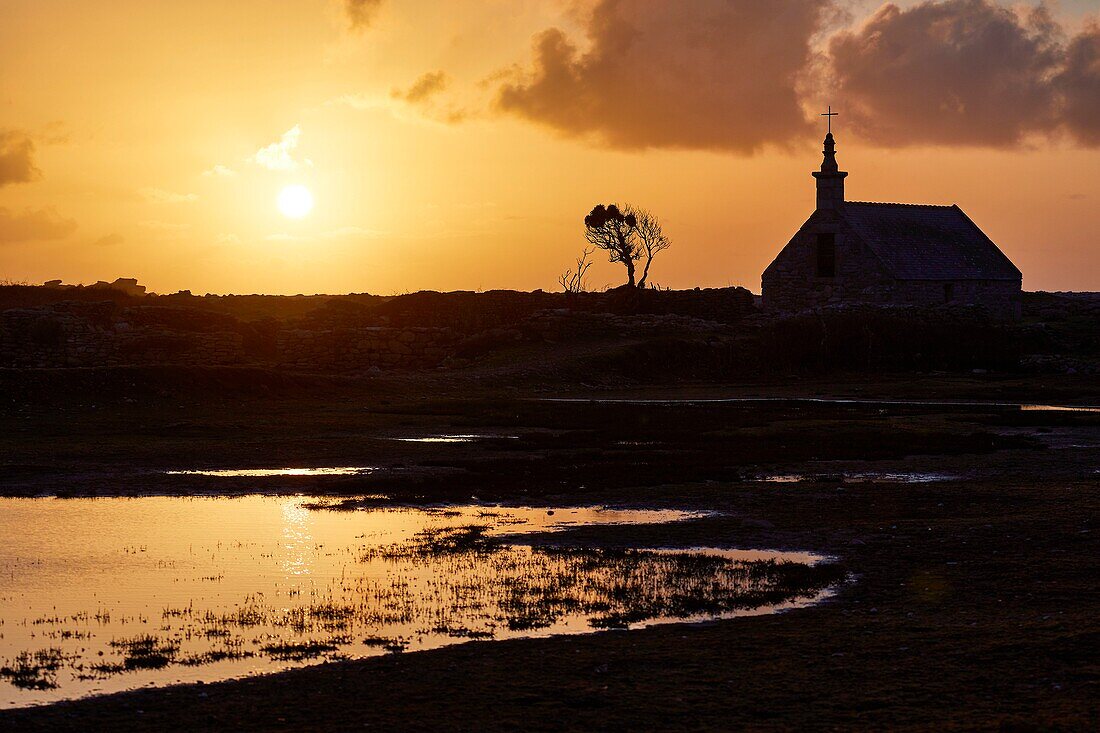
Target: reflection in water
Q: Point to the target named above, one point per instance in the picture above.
(298, 540)
(794, 401)
(884, 477)
(266, 472)
(1058, 408)
(455, 438)
(99, 595)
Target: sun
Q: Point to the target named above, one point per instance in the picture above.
(295, 201)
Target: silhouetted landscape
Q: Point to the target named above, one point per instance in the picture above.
(602, 365)
(936, 459)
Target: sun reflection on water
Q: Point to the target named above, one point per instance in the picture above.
(107, 595)
(297, 539)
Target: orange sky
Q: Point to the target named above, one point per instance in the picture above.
(445, 151)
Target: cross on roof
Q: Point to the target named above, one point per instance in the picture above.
(830, 115)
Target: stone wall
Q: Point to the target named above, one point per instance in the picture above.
(102, 335)
(338, 334)
(359, 349)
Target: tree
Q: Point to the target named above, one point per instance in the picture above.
(652, 238)
(627, 235)
(612, 231)
(574, 281)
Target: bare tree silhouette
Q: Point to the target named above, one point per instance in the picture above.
(651, 236)
(575, 281)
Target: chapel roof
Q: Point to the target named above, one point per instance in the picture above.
(926, 242)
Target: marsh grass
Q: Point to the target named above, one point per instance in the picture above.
(298, 651)
(442, 585)
(35, 670)
(140, 652)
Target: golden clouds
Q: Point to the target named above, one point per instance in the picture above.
(34, 225)
(279, 156)
(17, 158)
(361, 13)
(711, 74)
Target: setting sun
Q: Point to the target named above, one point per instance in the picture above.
(295, 201)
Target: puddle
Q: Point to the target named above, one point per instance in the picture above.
(103, 595)
(1058, 408)
(455, 438)
(859, 478)
(268, 472)
(794, 401)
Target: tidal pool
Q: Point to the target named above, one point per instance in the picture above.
(841, 401)
(864, 477)
(471, 438)
(102, 595)
(269, 472)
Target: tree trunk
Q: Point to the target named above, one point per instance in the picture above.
(627, 256)
(645, 272)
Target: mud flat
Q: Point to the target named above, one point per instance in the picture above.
(971, 605)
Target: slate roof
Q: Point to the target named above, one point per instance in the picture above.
(917, 242)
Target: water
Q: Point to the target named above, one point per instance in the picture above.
(102, 595)
(883, 477)
(795, 401)
(270, 472)
(455, 438)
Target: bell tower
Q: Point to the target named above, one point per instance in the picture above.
(830, 179)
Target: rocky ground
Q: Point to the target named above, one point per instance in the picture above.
(971, 605)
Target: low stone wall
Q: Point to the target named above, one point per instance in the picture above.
(100, 335)
(359, 349)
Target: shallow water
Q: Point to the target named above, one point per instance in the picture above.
(103, 595)
(455, 438)
(883, 477)
(794, 401)
(268, 472)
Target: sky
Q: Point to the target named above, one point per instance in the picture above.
(458, 144)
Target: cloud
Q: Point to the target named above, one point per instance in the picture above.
(220, 171)
(1079, 85)
(34, 225)
(160, 196)
(349, 232)
(17, 158)
(109, 240)
(424, 94)
(279, 156)
(707, 74)
(958, 72)
(361, 13)
(424, 88)
(165, 230)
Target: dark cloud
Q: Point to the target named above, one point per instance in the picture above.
(34, 225)
(706, 74)
(1079, 85)
(959, 72)
(424, 95)
(17, 158)
(424, 88)
(361, 13)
